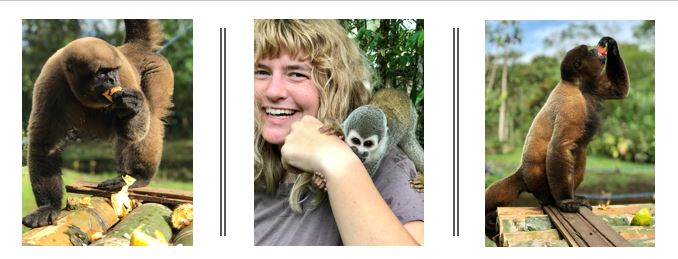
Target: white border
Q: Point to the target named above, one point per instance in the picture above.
(440, 18)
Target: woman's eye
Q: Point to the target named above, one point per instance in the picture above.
(298, 76)
(261, 73)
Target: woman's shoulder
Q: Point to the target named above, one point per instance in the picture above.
(396, 165)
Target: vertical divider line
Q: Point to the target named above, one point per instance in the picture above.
(458, 128)
(222, 132)
(454, 133)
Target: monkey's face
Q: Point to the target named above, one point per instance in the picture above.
(284, 92)
(91, 68)
(362, 146)
(583, 64)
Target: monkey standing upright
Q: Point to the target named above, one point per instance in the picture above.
(69, 96)
(554, 153)
(387, 122)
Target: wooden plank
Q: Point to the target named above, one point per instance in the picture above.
(584, 228)
(510, 239)
(519, 211)
(564, 229)
(604, 229)
(623, 209)
(147, 194)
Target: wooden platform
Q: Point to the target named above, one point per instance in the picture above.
(532, 226)
(147, 194)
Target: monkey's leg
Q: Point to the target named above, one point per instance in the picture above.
(44, 166)
(413, 150)
(561, 176)
(500, 193)
(139, 159)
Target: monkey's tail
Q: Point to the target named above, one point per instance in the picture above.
(501, 193)
(146, 33)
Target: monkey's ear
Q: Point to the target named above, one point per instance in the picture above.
(577, 65)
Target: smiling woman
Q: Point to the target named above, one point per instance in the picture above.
(307, 72)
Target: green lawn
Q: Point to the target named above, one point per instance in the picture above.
(601, 173)
(70, 176)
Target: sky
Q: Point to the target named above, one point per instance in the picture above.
(534, 33)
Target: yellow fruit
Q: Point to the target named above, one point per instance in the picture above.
(109, 93)
(182, 216)
(142, 239)
(642, 218)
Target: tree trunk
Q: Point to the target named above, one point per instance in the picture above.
(503, 97)
(147, 218)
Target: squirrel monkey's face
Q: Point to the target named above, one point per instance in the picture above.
(284, 93)
(362, 146)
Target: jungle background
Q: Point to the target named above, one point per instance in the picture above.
(93, 160)
(522, 65)
(395, 49)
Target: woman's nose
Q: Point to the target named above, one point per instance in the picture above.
(277, 88)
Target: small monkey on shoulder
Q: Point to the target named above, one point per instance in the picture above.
(373, 130)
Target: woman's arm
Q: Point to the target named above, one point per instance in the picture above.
(362, 215)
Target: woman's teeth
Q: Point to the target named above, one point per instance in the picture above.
(279, 112)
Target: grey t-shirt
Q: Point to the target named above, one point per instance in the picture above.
(276, 224)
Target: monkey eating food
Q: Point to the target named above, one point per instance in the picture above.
(554, 153)
(79, 90)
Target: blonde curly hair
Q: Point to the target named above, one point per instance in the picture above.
(340, 72)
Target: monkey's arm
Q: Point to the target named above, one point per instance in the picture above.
(614, 84)
(568, 127)
(131, 115)
(46, 128)
(413, 150)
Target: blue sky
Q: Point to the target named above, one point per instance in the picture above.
(534, 32)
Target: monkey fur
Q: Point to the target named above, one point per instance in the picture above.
(67, 98)
(554, 153)
(373, 130)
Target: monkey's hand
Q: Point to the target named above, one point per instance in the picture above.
(417, 183)
(127, 102)
(319, 181)
(43, 216)
(608, 45)
(571, 205)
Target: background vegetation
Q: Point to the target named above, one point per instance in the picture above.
(395, 49)
(516, 88)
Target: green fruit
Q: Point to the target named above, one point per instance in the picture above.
(642, 218)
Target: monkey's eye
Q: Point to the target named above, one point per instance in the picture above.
(368, 144)
(355, 141)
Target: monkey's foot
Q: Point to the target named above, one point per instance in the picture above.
(571, 205)
(319, 181)
(115, 184)
(43, 216)
(417, 183)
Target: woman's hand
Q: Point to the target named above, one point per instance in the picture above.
(307, 149)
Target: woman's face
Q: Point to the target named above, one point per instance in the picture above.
(285, 93)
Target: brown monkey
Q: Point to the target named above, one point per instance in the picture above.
(554, 154)
(67, 98)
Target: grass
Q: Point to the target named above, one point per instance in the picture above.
(70, 176)
(602, 173)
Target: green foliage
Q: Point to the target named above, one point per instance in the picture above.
(41, 38)
(395, 49)
(627, 128)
